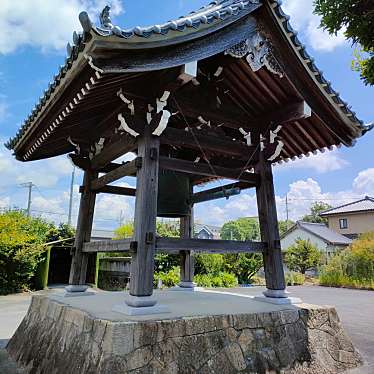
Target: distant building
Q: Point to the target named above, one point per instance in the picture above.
(207, 231)
(351, 219)
(326, 240)
(100, 234)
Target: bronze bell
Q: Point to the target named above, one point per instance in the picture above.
(173, 194)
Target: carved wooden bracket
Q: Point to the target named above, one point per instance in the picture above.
(259, 52)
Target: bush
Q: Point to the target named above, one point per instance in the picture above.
(353, 267)
(294, 279)
(21, 249)
(219, 280)
(209, 264)
(168, 279)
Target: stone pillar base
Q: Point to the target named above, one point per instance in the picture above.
(75, 290)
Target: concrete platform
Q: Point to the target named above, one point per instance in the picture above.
(204, 332)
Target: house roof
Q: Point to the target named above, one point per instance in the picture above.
(44, 128)
(321, 231)
(364, 205)
(209, 228)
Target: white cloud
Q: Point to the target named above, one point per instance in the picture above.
(303, 19)
(321, 162)
(364, 182)
(301, 195)
(45, 24)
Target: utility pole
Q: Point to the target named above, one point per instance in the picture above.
(28, 185)
(287, 211)
(71, 196)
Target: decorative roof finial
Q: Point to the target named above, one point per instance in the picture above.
(105, 20)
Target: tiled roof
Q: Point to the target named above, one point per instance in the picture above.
(323, 232)
(216, 10)
(366, 204)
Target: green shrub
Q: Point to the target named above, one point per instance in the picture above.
(219, 280)
(209, 264)
(353, 267)
(168, 279)
(294, 279)
(21, 249)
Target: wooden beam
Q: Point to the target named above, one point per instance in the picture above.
(230, 116)
(115, 190)
(267, 216)
(208, 245)
(123, 245)
(126, 169)
(221, 145)
(220, 192)
(204, 169)
(112, 151)
(175, 245)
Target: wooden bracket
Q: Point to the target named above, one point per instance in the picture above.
(149, 238)
(133, 247)
(138, 162)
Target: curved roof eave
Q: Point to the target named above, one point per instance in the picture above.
(342, 108)
(217, 14)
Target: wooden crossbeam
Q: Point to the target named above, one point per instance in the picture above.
(231, 117)
(123, 145)
(172, 245)
(217, 144)
(208, 245)
(123, 245)
(124, 170)
(220, 192)
(204, 169)
(115, 190)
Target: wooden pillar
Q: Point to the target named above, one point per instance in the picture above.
(186, 257)
(141, 283)
(79, 262)
(267, 214)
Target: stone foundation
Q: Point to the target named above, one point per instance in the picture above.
(56, 337)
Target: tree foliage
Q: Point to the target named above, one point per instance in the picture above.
(21, 249)
(284, 226)
(302, 256)
(356, 18)
(315, 210)
(241, 229)
(243, 265)
(353, 267)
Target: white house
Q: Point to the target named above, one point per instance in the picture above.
(319, 234)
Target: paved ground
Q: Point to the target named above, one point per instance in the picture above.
(355, 308)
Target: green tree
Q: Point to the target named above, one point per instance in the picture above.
(243, 265)
(124, 231)
(241, 229)
(356, 18)
(22, 242)
(302, 256)
(284, 226)
(315, 210)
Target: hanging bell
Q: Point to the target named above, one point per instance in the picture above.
(173, 194)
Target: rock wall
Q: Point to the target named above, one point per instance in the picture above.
(55, 338)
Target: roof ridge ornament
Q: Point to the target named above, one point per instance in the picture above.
(105, 20)
(259, 52)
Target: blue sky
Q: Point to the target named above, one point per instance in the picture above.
(33, 46)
